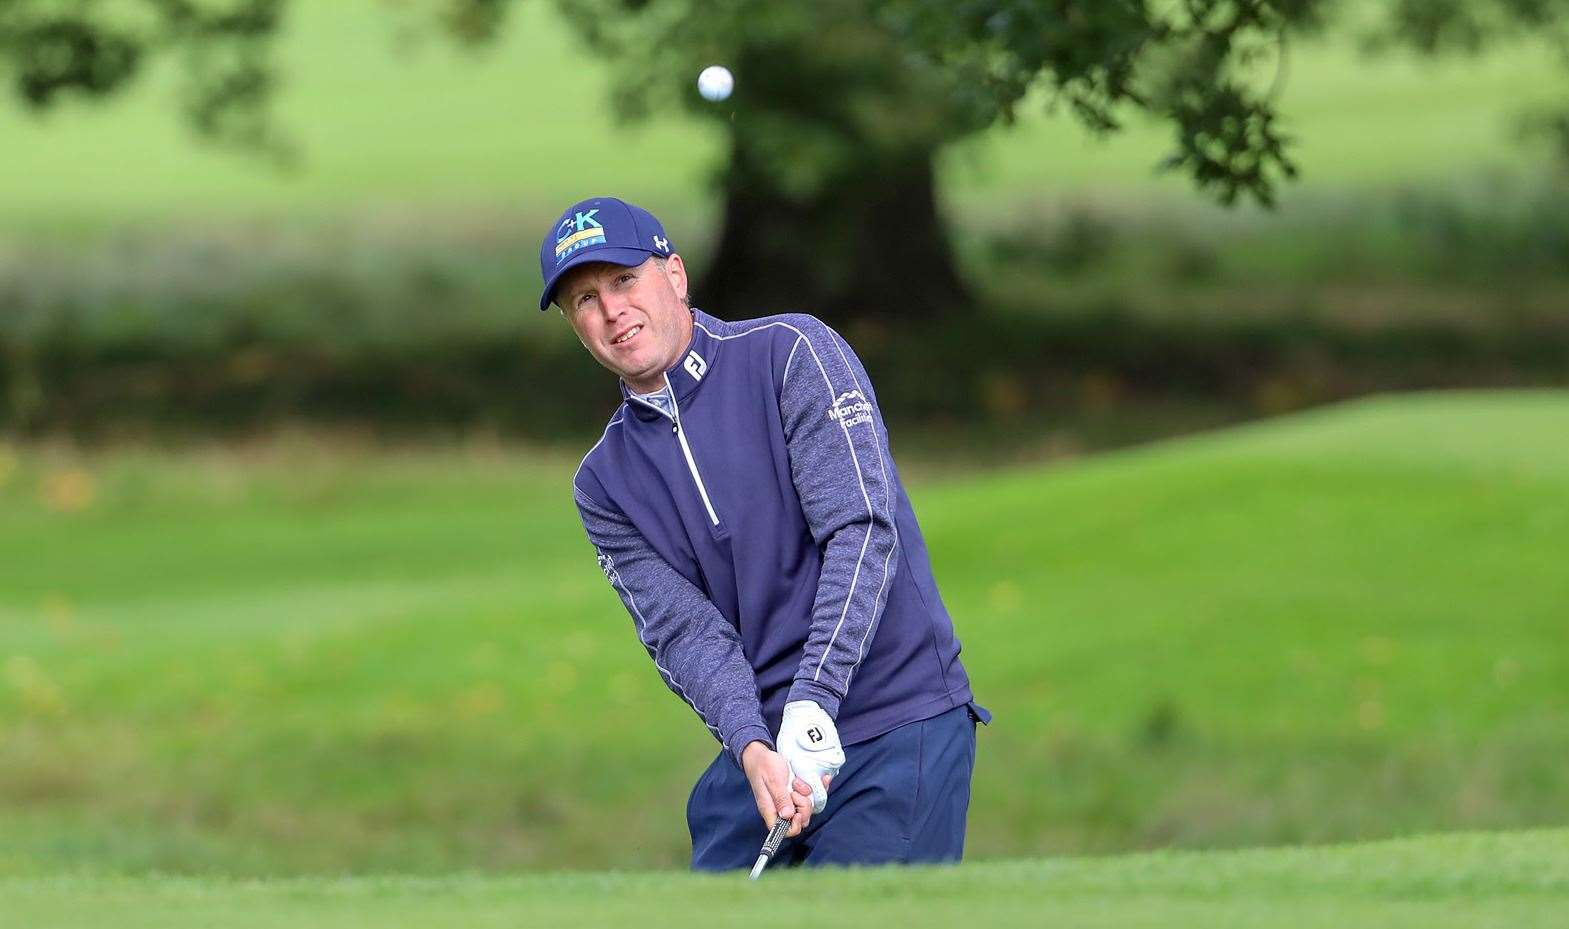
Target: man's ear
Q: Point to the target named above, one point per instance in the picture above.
(675, 272)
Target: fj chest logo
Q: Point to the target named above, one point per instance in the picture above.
(695, 365)
(851, 409)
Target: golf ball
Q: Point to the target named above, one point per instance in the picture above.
(715, 83)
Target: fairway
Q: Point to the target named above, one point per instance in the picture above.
(1519, 881)
(1251, 518)
(307, 657)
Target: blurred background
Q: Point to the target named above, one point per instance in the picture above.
(1223, 347)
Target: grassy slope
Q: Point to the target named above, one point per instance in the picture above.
(1515, 880)
(1343, 624)
(525, 126)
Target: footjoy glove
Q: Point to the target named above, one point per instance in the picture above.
(810, 743)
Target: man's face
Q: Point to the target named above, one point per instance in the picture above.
(634, 321)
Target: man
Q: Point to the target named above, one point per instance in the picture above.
(745, 507)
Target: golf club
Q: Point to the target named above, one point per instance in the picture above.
(771, 845)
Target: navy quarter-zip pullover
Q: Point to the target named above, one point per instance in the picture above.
(758, 534)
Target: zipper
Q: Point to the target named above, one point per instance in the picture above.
(691, 463)
(686, 450)
(696, 478)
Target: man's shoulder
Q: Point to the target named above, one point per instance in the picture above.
(780, 327)
(772, 342)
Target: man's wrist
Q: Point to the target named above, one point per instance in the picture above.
(743, 739)
(816, 693)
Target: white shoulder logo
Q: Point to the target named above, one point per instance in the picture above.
(695, 365)
(851, 409)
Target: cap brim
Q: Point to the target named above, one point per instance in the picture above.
(610, 254)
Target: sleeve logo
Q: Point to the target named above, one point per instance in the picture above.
(608, 566)
(851, 409)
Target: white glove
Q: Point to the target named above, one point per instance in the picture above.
(810, 743)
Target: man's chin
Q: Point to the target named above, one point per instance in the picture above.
(625, 368)
(633, 375)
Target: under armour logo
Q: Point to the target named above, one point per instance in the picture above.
(814, 734)
(695, 365)
(662, 244)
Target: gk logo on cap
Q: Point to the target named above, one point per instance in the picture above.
(579, 230)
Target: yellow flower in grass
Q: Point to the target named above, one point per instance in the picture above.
(69, 491)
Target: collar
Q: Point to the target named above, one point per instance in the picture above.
(687, 374)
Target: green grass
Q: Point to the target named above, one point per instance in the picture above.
(524, 127)
(299, 658)
(1516, 880)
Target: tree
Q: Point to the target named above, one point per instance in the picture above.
(830, 203)
(842, 105)
(50, 49)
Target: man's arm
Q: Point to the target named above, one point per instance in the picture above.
(697, 651)
(839, 463)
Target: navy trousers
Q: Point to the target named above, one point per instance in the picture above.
(901, 797)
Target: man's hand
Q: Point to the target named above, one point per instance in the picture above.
(769, 775)
(809, 741)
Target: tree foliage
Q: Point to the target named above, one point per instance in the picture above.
(50, 49)
(827, 86)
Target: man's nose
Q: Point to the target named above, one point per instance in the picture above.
(612, 305)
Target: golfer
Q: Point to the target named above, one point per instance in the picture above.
(745, 507)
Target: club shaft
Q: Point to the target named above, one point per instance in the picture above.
(771, 845)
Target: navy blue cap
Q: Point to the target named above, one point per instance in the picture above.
(599, 229)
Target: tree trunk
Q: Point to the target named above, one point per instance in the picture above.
(870, 247)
